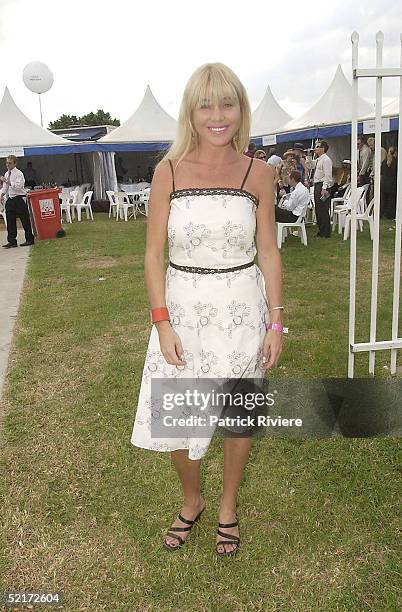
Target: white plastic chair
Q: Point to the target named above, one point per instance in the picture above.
(341, 211)
(66, 200)
(360, 217)
(339, 201)
(299, 225)
(112, 203)
(86, 205)
(144, 198)
(135, 199)
(3, 212)
(123, 205)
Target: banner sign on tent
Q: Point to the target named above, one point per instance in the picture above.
(369, 126)
(17, 151)
(269, 140)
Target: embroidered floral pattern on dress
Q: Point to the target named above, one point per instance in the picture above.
(219, 318)
(178, 316)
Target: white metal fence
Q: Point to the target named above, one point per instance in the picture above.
(395, 343)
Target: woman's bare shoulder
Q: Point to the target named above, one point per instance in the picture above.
(163, 175)
(261, 177)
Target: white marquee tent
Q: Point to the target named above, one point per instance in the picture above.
(334, 107)
(330, 118)
(150, 123)
(18, 131)
(389, 110)
(268, 116)
(53, 157)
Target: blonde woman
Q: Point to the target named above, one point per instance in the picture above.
(210, 312)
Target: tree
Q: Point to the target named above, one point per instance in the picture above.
(98, 118)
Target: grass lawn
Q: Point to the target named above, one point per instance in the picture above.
(84, 511)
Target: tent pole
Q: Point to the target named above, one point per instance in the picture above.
(40, 108)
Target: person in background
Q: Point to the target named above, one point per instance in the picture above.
(120, 169)
(12, 193)
(260, 154)
(31, 177)
(297, 201)
(371, 145)
(301, 165)
(287, 165)
(274, 162)
(342, 180)
(250, 150)
(150, 174)
(371, 168)
(389, 169)
(273, 158)
(322, 188)
(363, 162)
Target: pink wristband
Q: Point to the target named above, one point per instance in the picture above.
(277, 327)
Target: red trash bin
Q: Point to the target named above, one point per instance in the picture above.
(45, 212)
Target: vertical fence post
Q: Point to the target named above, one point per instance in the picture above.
(398, 229)
(377, 181)
(353, 196)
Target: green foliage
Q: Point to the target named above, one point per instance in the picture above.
(98, 118)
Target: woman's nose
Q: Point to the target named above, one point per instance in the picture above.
(217, 112)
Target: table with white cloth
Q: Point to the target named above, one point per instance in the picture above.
(133, 187)
(137, 197)
(68, 189)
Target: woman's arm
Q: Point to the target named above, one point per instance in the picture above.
(154, 264)
(158, 214)
(269, 262)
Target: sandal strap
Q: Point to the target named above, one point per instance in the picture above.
(185, 520)
(173, 535)
(227, 542)
(228, 535)
(227, 525)
(180, 528)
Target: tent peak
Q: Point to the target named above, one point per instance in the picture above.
(17, 130)
(268, 115)
(149, 123)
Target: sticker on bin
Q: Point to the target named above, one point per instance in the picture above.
(47, 208)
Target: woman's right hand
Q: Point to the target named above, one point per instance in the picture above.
(170, 344)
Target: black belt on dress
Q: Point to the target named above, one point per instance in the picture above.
(210, 270)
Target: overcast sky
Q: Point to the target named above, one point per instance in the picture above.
(104, 52)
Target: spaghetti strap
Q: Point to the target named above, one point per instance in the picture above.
(171, 167)
(247, 173)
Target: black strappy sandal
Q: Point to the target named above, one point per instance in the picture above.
(234, 540)
(171, 531)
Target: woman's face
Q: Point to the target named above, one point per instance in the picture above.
(217, 124)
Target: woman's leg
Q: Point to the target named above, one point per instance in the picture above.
(188, 471)
(236, 452)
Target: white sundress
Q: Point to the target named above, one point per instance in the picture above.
(220, 317)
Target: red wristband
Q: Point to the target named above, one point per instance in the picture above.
(159, 314)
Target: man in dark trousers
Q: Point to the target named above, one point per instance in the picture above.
(322, 188)
(12, 193)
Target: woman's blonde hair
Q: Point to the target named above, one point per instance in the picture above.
(212, 82)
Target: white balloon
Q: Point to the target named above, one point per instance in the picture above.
(37, 77)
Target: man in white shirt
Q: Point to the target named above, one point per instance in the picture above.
(12, 194)
(363, 162)
(297, 201)
(322, 188)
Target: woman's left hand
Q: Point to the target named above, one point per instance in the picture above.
(271, 349)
